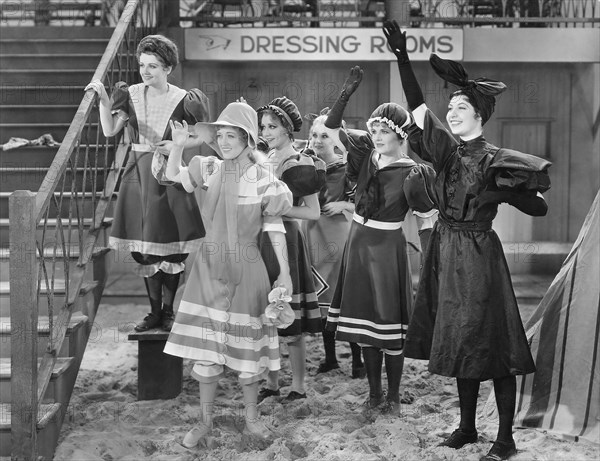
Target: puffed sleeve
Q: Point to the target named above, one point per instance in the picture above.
(276, 201)
(359, 145)
(418, 188)
(519, 180)
(196, 107)
(119, 100)
(435, 143)
(517, 171)
(302, 176)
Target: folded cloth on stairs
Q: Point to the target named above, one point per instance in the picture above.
(43, 140)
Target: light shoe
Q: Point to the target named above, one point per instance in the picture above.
(258, 429)
(193, 437)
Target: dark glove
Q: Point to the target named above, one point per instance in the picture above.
(396, 40)
(334, 118)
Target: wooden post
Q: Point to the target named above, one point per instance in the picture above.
(41, 14)
(24, 324)
(167, 15)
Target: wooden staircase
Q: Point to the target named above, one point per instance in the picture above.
(44, 71)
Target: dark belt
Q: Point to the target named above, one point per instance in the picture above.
(474, 226)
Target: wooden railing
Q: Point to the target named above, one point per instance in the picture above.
(64, 219)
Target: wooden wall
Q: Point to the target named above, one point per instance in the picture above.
(550, 110)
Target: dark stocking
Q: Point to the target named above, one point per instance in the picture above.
(373, 361)
(505, 390)
(468, 391)
(154, 289)
(393, 368)
(329, 345)
(170, 282)
(356, 359)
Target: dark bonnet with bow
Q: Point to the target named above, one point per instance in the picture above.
(481, 91)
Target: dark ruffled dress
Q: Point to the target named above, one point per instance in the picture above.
(466, 319)
(373, 295)
(303, 178)
(155, 218)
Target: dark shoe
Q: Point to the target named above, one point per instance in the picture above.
(390, 407)
(459, 438)
(324, 367)
(166, 320)
(373, 402)
(150, 321)
(266, 392)
(500, 451)
(359, 372)
(293, 395)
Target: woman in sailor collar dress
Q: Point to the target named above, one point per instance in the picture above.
(373, 296)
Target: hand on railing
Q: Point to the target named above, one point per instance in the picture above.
(98, 87)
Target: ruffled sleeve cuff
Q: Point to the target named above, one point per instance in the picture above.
(187, 181)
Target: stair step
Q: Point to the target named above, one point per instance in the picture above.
(93, 135)
(54, 262)
(42, 156)
(56, 391)
(37, 113)
(48, 426)
(59, 296)
(73, 345)
(53, 77)
(26, 94)
(30, 178)
(43, 46)
(82, 202)
(55, 61)
(51, 33)
(52, 233)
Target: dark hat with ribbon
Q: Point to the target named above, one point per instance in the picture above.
(481, 91)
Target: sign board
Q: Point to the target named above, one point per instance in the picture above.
(316, 44)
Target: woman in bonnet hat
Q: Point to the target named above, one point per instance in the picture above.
(373, 296)
(157, 222)
(304, 176)
(220, 321)
(466, 321)
(326, 236)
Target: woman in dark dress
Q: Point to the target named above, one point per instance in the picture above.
(156, 220)
(327, 235)
(466, 320)
(373, 295)
(304, 176)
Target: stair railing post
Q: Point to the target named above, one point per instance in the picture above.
(24, 324)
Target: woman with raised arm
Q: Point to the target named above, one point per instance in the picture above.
(466, 320)
(155, 220)
(373, 295)
(326, 237)
(305, 177)
(221, 320)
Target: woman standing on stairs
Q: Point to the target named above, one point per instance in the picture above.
(466, 320)
(156, 220)
(373, 295)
